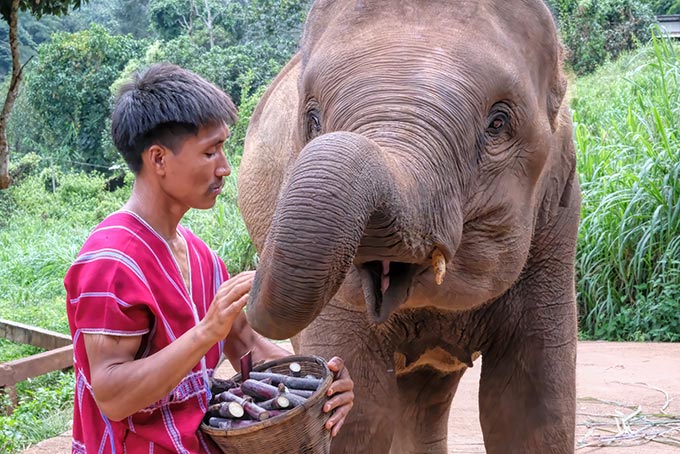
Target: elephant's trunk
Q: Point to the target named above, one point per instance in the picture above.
(322, 213)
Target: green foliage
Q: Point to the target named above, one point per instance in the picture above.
(132, 17)
(231, 68)
(662, 7)
(246, 45)
(44, 411)
(169, 18)
(234, 147)
(278, 23)
(40, 8)
(628, 135)
(69, 95)
(598, 31)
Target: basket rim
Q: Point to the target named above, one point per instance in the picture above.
(311, 401)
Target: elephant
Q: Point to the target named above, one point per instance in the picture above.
(409, 182)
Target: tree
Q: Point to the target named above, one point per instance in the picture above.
(10, 13)
(68, 91)
(133, 18)
(595, 31)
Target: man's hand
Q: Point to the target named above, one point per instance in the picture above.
(342, 392)
(227, 305)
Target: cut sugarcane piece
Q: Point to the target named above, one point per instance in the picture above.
(311, 384)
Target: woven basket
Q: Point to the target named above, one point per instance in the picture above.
(300, 430)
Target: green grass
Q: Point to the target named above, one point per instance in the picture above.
(41, 233)
(45, 410)
(627, 119)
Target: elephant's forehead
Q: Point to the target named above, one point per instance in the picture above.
(511, 35)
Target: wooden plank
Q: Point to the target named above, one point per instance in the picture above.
(18, 370)
(38, 337)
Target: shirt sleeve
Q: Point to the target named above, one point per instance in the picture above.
(108, 295)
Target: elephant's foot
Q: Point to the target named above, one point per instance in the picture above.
(425, 396)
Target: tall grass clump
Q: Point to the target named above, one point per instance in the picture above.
(627, 131)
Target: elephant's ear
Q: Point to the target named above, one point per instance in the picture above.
(558, 87)
(321, 14)
(270, 146)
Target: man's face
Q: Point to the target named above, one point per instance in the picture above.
(195, 171)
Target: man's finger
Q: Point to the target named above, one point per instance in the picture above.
(237, 291)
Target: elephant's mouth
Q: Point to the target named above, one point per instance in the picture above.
(386, 285)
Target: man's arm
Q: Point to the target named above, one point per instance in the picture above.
(123, 385)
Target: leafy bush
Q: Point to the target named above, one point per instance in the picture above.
(68, 94)
(665, 6)
(45, 410)
(596, 31)
(628, 140)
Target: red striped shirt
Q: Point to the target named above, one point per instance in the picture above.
(126, 282)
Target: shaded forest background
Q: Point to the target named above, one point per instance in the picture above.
(75, 60)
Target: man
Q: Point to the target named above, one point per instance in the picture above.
(151, 308)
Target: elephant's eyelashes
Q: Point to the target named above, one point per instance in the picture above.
(499, 119)
(313, 122)
(498, 123)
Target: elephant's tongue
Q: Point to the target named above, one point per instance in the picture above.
(385, 281)
(386, 287)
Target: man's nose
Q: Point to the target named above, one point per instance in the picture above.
(223, 169)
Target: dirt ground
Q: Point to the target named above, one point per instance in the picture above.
(636, 386)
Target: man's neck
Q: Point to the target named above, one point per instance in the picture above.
(159, 212)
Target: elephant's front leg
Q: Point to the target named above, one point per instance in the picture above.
(425, 396)
(371, 423)
(527, 389)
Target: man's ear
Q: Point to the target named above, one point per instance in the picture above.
(155, 157)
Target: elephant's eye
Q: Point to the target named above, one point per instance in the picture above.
(497, 123)
(313, 123)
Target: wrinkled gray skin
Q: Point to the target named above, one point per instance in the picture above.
(399, 129)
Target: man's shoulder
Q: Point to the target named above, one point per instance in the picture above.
(120, 230)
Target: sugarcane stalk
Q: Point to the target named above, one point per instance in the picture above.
(308, 383)
(301, 392)
(225, 423)
(294, 399)
(277, 403)
(246, 365)
(252, 409)
(259, 390)
(231, 410)
(219, 385)
(295, 369)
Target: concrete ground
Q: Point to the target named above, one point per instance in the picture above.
(626, 392)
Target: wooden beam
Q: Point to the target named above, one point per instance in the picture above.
(38, 337)
(18, 370)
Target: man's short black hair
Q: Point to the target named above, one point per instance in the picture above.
(162, 105)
